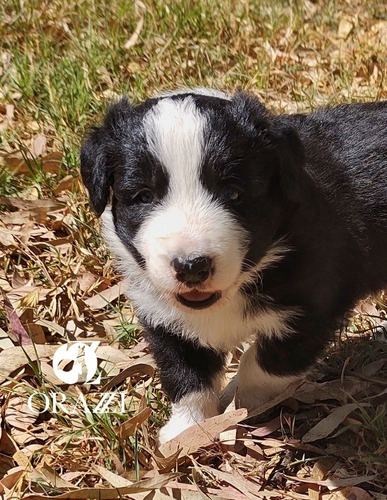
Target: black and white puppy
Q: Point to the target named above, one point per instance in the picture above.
(232, 224)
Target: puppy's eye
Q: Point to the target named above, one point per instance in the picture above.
(144, 196)
(232, 195)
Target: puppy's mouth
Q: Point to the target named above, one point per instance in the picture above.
(196, 299)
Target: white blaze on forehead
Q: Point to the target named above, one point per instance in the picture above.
(175, 134)
(189, 221)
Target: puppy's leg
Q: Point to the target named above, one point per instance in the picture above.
(256, 386)
(190, 375)
(271, 364)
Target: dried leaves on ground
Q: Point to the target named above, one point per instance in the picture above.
(325, 438)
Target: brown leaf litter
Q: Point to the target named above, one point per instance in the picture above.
(324, 439)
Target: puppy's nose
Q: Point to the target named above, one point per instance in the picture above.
(192, 271)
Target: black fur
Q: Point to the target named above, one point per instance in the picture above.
(317, 181)
(184, 365)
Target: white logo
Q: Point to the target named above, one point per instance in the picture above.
(84, 360)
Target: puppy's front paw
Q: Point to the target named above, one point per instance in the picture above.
(174, 427)
(191, 409)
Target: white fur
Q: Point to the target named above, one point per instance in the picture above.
(255, 387)
(188, 222)
(192, 409)
(223, 326)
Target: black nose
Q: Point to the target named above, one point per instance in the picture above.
(192, 271)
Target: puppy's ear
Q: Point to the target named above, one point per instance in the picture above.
(100, 153)
(250, 113)
(94, 169)
(291, 158)
(273, 134)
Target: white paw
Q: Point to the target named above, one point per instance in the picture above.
(191, 409)
(173, 428)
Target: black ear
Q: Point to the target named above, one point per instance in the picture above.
(101, 153)
(94, 169)
(250, 113)
(273, 134)
(290, 153)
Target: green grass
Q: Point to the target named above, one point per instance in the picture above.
(68, 59)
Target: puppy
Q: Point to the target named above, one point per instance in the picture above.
(232, 224)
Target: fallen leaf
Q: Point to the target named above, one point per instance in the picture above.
(136, 367)
(250, 490)
(35, 210)
(16, 332)
(51, 325)
(380, 29)
(6, 463)
(10, 480)
(22, 438)
(6, 238)
(269, 427)
(335, 389)
(5, 341)
(16, 357)
(373, 368)
(22, 460)
(287, 393)
(111, 493)
(328, 424)
(16, 164)
(66, 184)
(52, 162)
(322, 467)
(112, 354)
(104, 298)
(345, 28)
(47, 204)
(18, 414)
(49, 374)
(352, 492)
(129, 427)
(86, 281)
(203, 433)
(39, 144)
(368, 307)
(112, 478)
(51, 476)
(335, 482)
(225, 492)
(166, 464)
(10, 111)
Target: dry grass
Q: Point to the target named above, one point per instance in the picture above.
(60, 63)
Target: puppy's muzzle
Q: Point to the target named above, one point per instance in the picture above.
(192, 272)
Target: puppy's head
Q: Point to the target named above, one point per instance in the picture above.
(198, 184)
